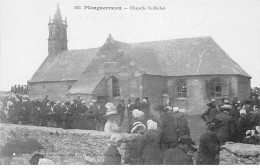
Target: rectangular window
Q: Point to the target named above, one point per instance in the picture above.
(182, 89)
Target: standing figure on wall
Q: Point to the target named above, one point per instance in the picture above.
(113, 119)
(121, 110)
(145, 107)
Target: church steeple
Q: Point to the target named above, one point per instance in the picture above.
(57, 16)
(57, 41)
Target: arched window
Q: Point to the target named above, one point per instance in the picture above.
(215, 88)
(116, 90)
(181, 88)
(113, 89)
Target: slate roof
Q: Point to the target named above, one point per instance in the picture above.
(67, 65)
(181, 57)
(188, 56)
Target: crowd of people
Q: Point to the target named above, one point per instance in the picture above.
(169, 143)
(20, 89)
(17, 108)
(166, 141)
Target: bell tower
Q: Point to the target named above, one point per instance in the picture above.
(57, 40)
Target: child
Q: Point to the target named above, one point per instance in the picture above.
(111, 155)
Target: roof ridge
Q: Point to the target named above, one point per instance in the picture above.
(190, 38)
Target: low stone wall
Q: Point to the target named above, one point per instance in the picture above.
(64, 146)
(239, 154)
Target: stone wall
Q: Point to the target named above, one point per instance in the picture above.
(197, 95)
(56, 91)
(240, 154)
(243, 87)
(64, 146)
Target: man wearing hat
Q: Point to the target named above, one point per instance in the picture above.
(211, 112)
(121, 110)
(228, 126)
(58, 110)
(168, 130)
(66, 116)
(45, 101)
(36, 112)
(51, 121)
(130, 108)
(181, 154)
(209, 145)
(183, 127)
(23, 113)
(256, 117)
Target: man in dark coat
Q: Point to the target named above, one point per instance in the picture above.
(168, 130)
(209, 145)
(137, 104)
(244, 124)
(45, 101)
(91, 114)
(183, 127)
(23, 113)
(211, 112)
(228, 125)
(51, 119)
(145, 107)
(100, 112)
(150, 145)
(36, 114)
(256, 117)
(181, 154)
(12, 115)
(130, 108)
(67, 116)
(58, 112)
(121, 111)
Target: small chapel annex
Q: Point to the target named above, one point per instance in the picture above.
(190, 71)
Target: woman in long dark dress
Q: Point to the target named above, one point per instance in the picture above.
(150, 145)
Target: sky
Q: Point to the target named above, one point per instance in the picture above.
(233, 24)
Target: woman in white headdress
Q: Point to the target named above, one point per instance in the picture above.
(113, 118)
(138, 117)
(150, 145)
